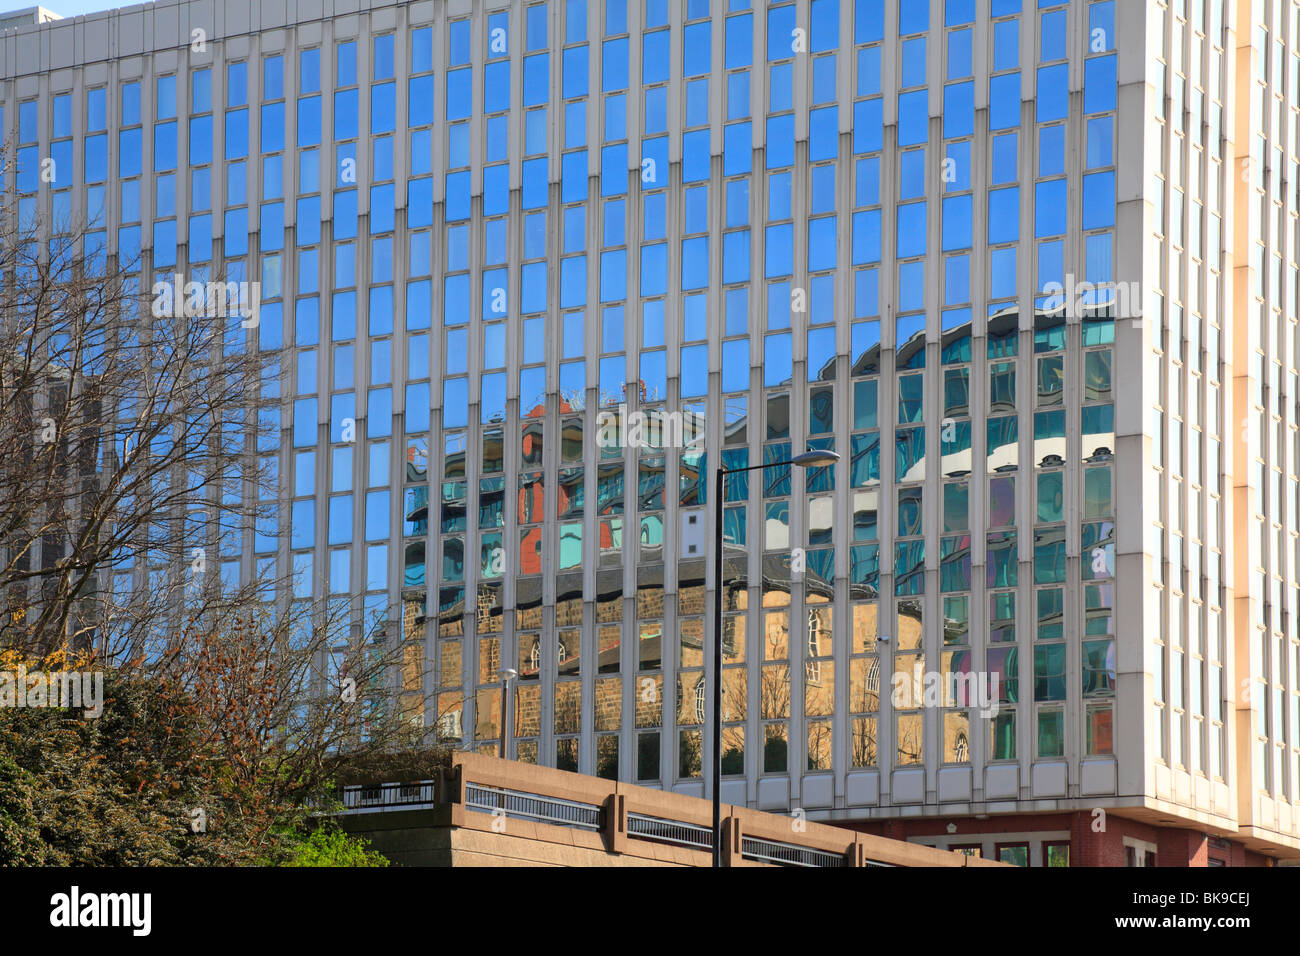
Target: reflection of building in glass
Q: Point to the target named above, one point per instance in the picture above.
(471, 250)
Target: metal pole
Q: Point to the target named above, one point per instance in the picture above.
(505, 742)
(717, 669)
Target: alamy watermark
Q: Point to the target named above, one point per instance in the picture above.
(653, 429)
(931, 689)
(64, 689)
(76, 909)
(176, 298)
(1124, 298)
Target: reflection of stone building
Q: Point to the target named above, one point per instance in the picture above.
(1041, 489)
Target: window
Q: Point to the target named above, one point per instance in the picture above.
(1017, 854)
(1138, 853)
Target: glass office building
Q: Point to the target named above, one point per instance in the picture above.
(532, 270)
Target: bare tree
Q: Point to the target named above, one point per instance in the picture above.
(129, 430)
(140, 462)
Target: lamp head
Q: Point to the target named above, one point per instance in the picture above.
(816, 459)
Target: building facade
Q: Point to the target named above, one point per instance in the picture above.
(533, 269)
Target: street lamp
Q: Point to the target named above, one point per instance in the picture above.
(810, 459)
(507, 675)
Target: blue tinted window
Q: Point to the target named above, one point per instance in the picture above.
(868, 71)
(868, 20)
(537, 79)
(959, 109)
(867, 185)
(309, 131)
(782, 87)
(697, 48)
(959, 54)
(1051, 151)
(1099, 200)
(1002, 273)
(957, 222)
(164, 147)
(130, 109)
(957, 167)
(1053, 92)
(1050, 207)
(458, 146)
(1052, 35)
(496, 86)
(575, 20)
(383, 108)
(824, 21)
(421, 93)
(913, 117)
(914, 62)
(575, 72)
(1099, 84)
(655, 61)
(823, 79)
(345, 59)
(695, 155)
(739, 41)
(1006, 44)
(778, 196)
(913, 16)
(460, 94)
(200, 92)
(96, 111)
(911, 229)
(422, 50)
(1101, 27)
(738, 94)
(780, 30)
(911, 180)
(1004, 214)
(614, 64)
(780, 141)
(1004, 101)
(309, 71)
(615, 17)
(273, 78)
(129, 158)
(165, 107)
(1101, 149)
(1005, 158)
(535, 29)
(236, 133)
(345, 115)
(737, 149)
(272, 127)
(383, 65)
(958, 11)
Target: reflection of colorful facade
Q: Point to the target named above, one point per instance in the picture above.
(1039, 492)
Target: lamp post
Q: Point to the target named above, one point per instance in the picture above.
(507, 675)
(811, 459)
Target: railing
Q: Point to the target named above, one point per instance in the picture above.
(787, 854)
(385, 795)
(622, 819)
(659, 830)
(532, 806)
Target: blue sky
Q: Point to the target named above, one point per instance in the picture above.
(65, 8)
